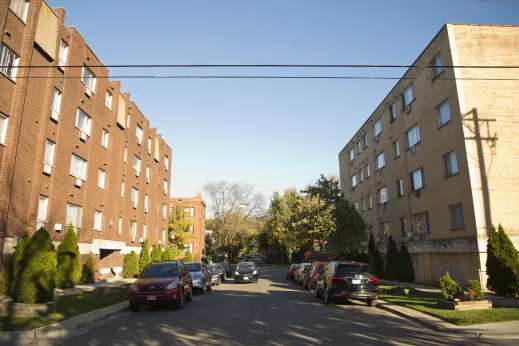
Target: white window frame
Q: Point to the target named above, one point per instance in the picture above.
(353, 181)
(191, 247)
(43, 206)
(135, 195)
(120, 227)
(189, 212)
(163, 236)
(89, 79)
(418, 173)
(400, 187)
(396, 149)
(63, 54)
(382, 195)
(101, 175)
(146, 203)
(368, 171)
(122, 189)
(87, 123)
(361, 175)
(447, 159)
(20, 8)
(351, 154)
(408, 98)
(413, 136)
(133, 228)
(128, 121)
(104, 138)
(137, 163)
(359, 147)
(9, 60)
(148, 174)
(76, 211)
(48, 158)
(149, 145)
(56, 101)
(370, 201)
(377, 128)
(436, 66)
(138, 133)
(98, 220)
(164, 211)
(381, 161)
(392, 113)
(144, 230)
(4, 122)
(444, 113)
(165, 186)
(365, 138)
(108, 100)
(166, 162)
(83, 167)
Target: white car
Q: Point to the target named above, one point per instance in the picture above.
(300, 273)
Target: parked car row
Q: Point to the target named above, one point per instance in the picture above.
(337, 280)
(173, 283)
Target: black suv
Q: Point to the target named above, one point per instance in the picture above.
(348, 280)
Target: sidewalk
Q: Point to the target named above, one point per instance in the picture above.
(495, 299)
(90, 287)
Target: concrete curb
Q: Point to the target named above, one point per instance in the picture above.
(394, 309)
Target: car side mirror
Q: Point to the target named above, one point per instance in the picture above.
(135, 276)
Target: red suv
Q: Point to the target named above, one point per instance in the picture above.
(317, 269)
(162, 282)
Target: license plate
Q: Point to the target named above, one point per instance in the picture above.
(355, 282)
(245, 278)
(152, 298)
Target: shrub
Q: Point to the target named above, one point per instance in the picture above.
(89, 270)
(156, 253)
(176, 251)
(392, 260)
(375, 259)
(145, 258)
(502, 263)
(68, 271)
(473, 288)
(450, 288)
(35, 277)
(188, 257)
(131, 265)
(12, 265)
(167, 255)
(405, 270)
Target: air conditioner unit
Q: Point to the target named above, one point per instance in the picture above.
(139, 141)
(409, 234)
(133, 239)
(54, 115)
(136, 172)
(147, 180)
(412, 149)
(47, 169)
(417, 193)
(141, 240)
(82, 135)
(88, 92)
(78, 182)
(134, 205)
(61, 65)
(146, 210)
(57, 227)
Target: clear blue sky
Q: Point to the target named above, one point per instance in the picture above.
(269, 133)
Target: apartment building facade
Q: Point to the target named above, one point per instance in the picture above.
(194, 210)
(434, 165)
(74, 147)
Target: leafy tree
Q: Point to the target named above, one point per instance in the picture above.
(502, 263)
(326, 188)
(188, 257)
(13, 264)
(156, 253)
(89, 270)
(145, 258)
(405, 271)
(350, 227)
(168, 255)
(131, 265)
(35, 277)
(68, 271)
(179, 225)
(176, 251)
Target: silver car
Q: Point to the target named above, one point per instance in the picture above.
(214, 271)
(200, 276)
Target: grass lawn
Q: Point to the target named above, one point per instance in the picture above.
(68, 306)
(427, 303)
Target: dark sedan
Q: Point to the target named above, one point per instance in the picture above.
(214, 271)
(246, 272)
(227, 268)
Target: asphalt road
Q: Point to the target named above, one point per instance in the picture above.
(273, 311)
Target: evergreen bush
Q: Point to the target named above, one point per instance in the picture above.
(392, 260)
(145, 258)
(156, 253)
(68, 272)
(450, 288)
(12, 265)
(188, 257)
(89, 270)
(405, 270)
(130, 265)
(473, 288)
(502, 263)
(167, 255)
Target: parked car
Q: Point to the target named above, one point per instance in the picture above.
(221, 270)
(311, 276)
(162, 282)
(291, 270)
(347, 280)
(200, 276)
(246, 272)
(300, 272)
(227, 268)
(214, 271)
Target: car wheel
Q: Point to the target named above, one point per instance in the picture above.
(179, 305)
(189, 297)
(317, 293)
(372, 303)
(134, 307)
(327, 297)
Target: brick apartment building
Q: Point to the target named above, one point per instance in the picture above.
(435, 165)
(73, 147)
(194, 209)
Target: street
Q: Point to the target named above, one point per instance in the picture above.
(274, 311)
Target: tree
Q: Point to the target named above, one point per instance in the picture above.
(405, 270)
(179, 225)
(392, 260)
(375, 259)
(502, 263)
(168, 255)
(89, 270)
(131, 265)
(35, 277)
(13, 265)
(188, 257)
(145, 258)
(350, 227)
(156, 253)
(68, 272)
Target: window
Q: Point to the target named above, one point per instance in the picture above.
(3, 128)
(396, 149)
(191, 229)
(136, 163)
(370, 202)
(353, 181)
(78, 167)
(138, 133)
(403, 226)
(392, 113)
(73, 216)
(456, 215)
(133, 228)
(356, 206)
(352, 154)
(382, 195)
(135, 195)
(104, 139)
(421, 222)
(165, 187)
(83, 122)
(149, 145)
(377, 128)
(101, 179)
(48, 160)
(56, 101)
(365, 138)
(20, 8)
(163, 236)
(144, 230)
(189, 212)
(450, 163)
(125, 154)
(381, 161)
(166, 162)
(63, 52)
(363, 202)
(400, 187)
(368, 172)
(164, 211)
(146, 203)
(128, 121)
(444, 113)
(413, 136)
(108, 100)
(361, 175)
(386, 230)
(436, 66)
(98, 218)
(122, 189)
(407, 98)
(359, 147)
(8, 62)
(120, 228)
(148, 174)
(41, 219)
(417, 179)
(89, 79)
(191, 247)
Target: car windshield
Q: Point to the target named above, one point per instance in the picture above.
(212, 268)
(351, 269)
(246, 266)
(160, 270)
(193, 267)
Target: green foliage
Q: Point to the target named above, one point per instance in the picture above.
(168, 255)
(188, 257)
(502, 263)
(473, 288)
(68, 272)
(34, 280)
(12, 266)
(145, 258)
(131, 265)
(392, 260)
(179, 225)
(350, 227)
(450, 288)
(156, 253)
(376, 262)
(405, 270)
(89, 271)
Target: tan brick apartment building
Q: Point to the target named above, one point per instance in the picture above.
(73, 147)
(436, 163)
(194, 209)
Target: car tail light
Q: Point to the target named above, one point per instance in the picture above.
(374, 281)
(338, 278)
(314, 276)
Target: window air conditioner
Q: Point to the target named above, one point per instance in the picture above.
(137, 172)
(412, 149)
(54, 115)
(57, 227)
(47, 169)
(133, 239)
(78, 182)
(82, 135)
(134, 205)
(88, 92)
